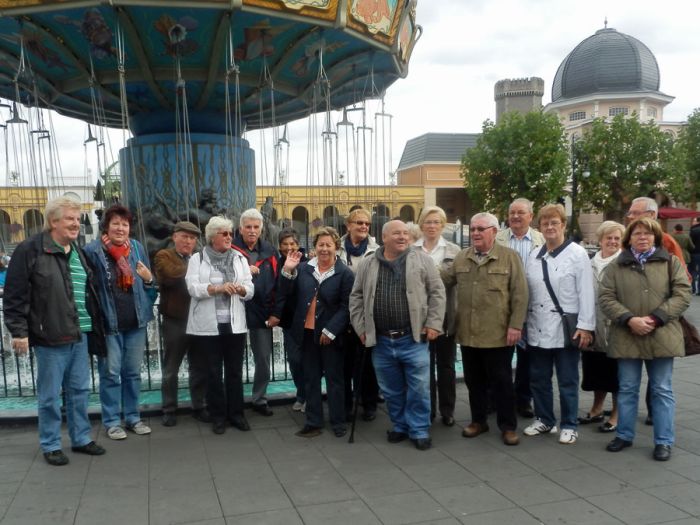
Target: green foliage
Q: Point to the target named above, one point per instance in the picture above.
(625, 159)
(111, 189)
(525, 155)
(686, 186)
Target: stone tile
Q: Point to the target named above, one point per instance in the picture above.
(640, 470)
(440, 474)
(117, 505)
(216, 521)
(639, 507)
(571, 512)
(499, 517)
(531, 490)
(410, 507)
(383, 482)
(687, 521)
(685, 496)
(312, 482)
(57, 504)
(494, 465)
(272, 517)
(463, 500)
(353, 512)
(404, 454)
(251, 494)
(196, 502)
(588, 481)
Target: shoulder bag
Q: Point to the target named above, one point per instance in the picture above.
(568, 320)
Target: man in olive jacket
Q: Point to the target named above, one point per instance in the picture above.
(492, 301)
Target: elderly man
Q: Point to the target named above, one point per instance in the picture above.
(520, 237)
(263, 259)
(491, 308)
(356, 245)
(170, 267)
(51, 303)
(647, 207)
(397, 305)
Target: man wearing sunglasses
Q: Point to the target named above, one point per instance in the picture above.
(492, 300)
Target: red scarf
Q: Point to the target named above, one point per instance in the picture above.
(125, 277)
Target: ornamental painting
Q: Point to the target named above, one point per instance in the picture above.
(377, 15)
(299, 4)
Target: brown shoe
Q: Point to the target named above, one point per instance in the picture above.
(510, 437)
(474, 429)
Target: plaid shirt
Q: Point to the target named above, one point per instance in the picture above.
(390, 301)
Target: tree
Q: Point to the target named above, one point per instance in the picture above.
(624, 158)
(524, 155)
(686, 186)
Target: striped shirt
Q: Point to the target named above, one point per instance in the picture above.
(523, 246)
(79, 278)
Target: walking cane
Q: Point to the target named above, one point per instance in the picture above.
(357, 393)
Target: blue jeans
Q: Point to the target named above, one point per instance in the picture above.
(543, 361)
(403, 373)
(695, 272)
(120, 377)
(67, 366)
(663, 404)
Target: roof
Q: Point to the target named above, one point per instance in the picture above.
(607, 61)
(437, 148)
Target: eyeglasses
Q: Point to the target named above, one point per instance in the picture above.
(642, 233)
(547, 224)
(635, 213)
(362, 223)
(225, 234)
(480, 229)
(432, 223)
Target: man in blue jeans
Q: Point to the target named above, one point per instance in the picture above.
(51, 304)
(397, 305)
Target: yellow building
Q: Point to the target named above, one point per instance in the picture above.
(21, 213)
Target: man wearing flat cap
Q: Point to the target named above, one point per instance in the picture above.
(170, 266)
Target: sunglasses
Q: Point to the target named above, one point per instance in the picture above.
(480, 229)
(362, 223)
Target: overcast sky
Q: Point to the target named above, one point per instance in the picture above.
(468, 45)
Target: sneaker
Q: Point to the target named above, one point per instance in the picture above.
(139, 428)
(116, 432)
(297, 406)
(537, 427)
(568, 436)
(91, 449)
(56, 458)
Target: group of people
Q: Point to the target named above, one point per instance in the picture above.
(379, 323)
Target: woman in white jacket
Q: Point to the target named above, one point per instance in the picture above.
(219, 280)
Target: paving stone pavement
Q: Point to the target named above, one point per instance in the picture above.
(188, 475)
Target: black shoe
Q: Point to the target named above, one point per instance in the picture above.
(263, 410)
(525, 411)
(448, 421)
(56, 458)
(308, 432)
(369, 415)
(218, 427)
(202, 415)
(422, 443)
(340, 431)
(396, 437)
(617, 444)
(91, 449)
(169, 419)
(662, 452)
(241, 423)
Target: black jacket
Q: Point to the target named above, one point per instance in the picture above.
(695, 237)
(38, 299)
(262, 305)
(284, 309)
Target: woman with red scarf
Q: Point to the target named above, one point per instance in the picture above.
(125, 285)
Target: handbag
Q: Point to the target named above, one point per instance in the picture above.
(691, 339)
(568, 320)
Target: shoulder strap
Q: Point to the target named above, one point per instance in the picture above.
(545, 275)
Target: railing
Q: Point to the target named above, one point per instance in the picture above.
(19, 378)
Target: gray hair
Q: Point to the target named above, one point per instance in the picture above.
(385, 228)
(252, 214)
(54, 209)
(524, 201)
(491, 219)
(215, 225)
(650, 203)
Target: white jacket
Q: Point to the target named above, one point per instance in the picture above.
(202, 317)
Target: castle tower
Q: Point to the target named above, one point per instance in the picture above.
(518, 94)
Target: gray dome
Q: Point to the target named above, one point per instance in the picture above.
(606, 62)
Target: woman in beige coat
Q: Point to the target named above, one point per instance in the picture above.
(644, 292)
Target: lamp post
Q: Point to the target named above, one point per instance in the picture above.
(574, 184)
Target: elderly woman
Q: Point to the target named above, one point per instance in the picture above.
(600, 371)
(320, 291)
(219, 281)
(560, 279)
(432, 221)
(125, 286)
(644, 292)
(356, 245)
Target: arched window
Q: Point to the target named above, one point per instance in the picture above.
(356, 207)
(382, 210)
(407, 214)
(332, 218)
(300, 222)
(33, 222)
(5, 233)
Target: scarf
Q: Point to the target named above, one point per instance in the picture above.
(397, 266)
(125, 277)
(643, 256)
(355, 251)
(223, 262)
(599, 263)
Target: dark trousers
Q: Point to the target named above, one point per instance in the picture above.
(296, 365)
(177, 344)
(443, 391)
(490, 368)
(225, 357)
(319, 361)
(523, 395)
(365, 377)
